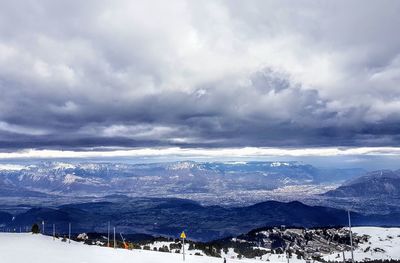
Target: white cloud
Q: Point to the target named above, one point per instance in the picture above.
(247, 152)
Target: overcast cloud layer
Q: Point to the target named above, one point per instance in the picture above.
(83, 74)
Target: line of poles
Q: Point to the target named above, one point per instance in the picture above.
(43, 223)
(54, 231)
(108, 235)
(27, 229)
(15, 230)
(69, 233)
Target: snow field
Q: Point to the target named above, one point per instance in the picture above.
(383, 243)
(29, 248)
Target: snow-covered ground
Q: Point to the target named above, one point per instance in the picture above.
(25, 247)
(384, 243)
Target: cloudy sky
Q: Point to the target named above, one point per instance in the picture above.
(105, 75)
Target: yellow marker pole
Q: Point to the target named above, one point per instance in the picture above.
(183, 236)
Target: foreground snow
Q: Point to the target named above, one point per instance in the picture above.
(25, 247)
(383, 243)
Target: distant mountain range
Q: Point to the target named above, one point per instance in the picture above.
(160, 179)
(128, 195)
(377, 184)
(170, 216)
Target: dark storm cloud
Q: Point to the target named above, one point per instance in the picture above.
(77, 75)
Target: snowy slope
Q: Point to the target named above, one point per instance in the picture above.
(25, 247)
(383, 243)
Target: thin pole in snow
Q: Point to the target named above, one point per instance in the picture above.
(108, 234)
(287, 252)
(54, 231)
(351, 237)
(115, 245)
(69, 233)
(183, 236)
(183, 249)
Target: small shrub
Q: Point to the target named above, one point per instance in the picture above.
(146, 247)
(163, 249)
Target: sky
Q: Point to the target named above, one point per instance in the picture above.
(88, 77)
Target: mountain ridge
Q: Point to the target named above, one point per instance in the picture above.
(169, 217)
(376, 184)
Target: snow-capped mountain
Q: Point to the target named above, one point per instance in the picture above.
(80, 179)
(210, 183)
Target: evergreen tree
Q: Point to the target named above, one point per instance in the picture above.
(35, 229)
